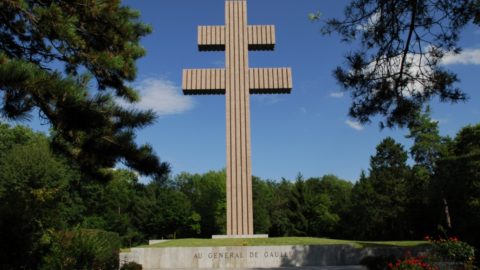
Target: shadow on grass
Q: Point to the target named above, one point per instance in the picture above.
(390, 244)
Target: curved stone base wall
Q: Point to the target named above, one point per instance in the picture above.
(256, 256)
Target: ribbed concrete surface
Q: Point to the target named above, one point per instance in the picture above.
(237, 81)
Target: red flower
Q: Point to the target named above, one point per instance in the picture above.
(454, 239)
(411, 263)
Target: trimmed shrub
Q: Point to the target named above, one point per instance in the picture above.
(131, 266)
(380, 262)
(84, 250)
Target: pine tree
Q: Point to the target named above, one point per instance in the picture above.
(397, 69)
(428, 147)
(457, 179)
(362, 212)
(380, 200)
(71, 61)
(428, 144)
(389, 174)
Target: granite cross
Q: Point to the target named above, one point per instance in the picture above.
(237, 81)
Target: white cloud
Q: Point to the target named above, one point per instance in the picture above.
(337, 94)
(354, 124)
(416, 66)
(466, 57)
(163, 96)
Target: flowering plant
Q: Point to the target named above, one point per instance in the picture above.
(412, 263)
(452, 250)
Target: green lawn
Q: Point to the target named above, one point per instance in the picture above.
(278, 241)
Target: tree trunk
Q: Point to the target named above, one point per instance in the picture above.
(447, 213)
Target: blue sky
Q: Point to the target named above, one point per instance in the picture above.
(307, 131)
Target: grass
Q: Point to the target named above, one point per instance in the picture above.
(279, 241)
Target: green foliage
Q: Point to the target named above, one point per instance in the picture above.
(11, 136)
(262, 199)
(452, 250)
(299, 207)
(397, 67)
(457, 179)
(466, 142)
(113, 205)
(314, 16)
(363, 211)
(207, 196)
(428, 144)
(428, 147)
(310, 209)
(336, 196)
(101, 36)
(419, 215)
(40, 202)
(100, 39)
(279, 214)
(176, 212)
(381, 197)
(33, 198)
(83, 250)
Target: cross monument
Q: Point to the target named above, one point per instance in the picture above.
(236, 81)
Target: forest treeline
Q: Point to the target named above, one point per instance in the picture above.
(43, 194)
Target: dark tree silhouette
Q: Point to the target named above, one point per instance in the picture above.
(50, 51)
(398, 66)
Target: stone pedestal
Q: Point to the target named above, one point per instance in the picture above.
(240, 236)
(253, 257)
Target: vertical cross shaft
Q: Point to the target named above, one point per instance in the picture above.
(239, 175)
(237, 81)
